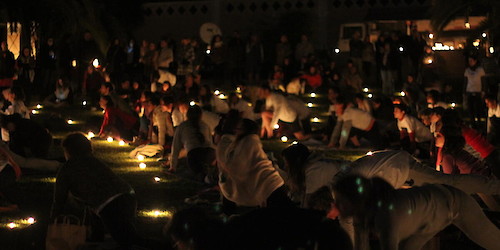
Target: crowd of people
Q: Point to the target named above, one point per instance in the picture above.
(159, 95)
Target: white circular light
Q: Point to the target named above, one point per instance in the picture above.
(84, 103)
(313, 94)
(31, 220)
(336, 50)
(157, 179)
(309, 105)
(365, 90)
(95, 63)
(142, 165)
(140, 157)
(216, 92)
(369, 153)
(370, 95)
(284, 138)
(192, 103)
(110, 139)
(315, 119)
(276, 126)
(70, 121)
(431, 36)
(121, 143)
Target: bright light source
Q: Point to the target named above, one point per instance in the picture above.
(431, 36)
(207, 51)
(31, 220)
(12, 225)
(216, 92)
(73, 63)
(467, 25)
(155, 213)
(95, 63)
(222, 96)
(476, 43)
(453, 104)
(295, 142)
(70, 122)
(402, 93)
(39, 106)
(276, 126)
(336, 50)
(192, 103)
(238, 89)
(284, 138)
(315, 119)
(370, 95)
(110, 139)
(84, 103)
(492, 50)
(309, 104)
(90, 135)
(142, 165)
(157, 179)
(34, 111)
(369, 153)
(483, 35)
(365, 90)
(121, 143)
(140, 157)
(313, 94)
(401, 49)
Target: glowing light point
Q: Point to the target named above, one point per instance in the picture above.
(142, 165)
(370, 95)
(70, 122)
(313, 95)
(192, 103)
(336, 50)
(222, 96)
(276, 126)
(39, 106)
(483, 35)
(429, 61)
(110, 139)
(453, 104)
(157, 179)
(467, 25)
(31, 220)
(309, 105)
(401, 49)
(156, 213)
(35, 112)
(492, 50)
(207, 51)
(315, 119)
(365, 90)
(90, 135)
(121, 143)
(73, 63)
(238, 89)
(284, 139)
(431, 36)
(402, 93)
(369, 153)
(84, 103)
(95, 63)
(140, 157)
(216, 92)
(12, 225)
(295, 142)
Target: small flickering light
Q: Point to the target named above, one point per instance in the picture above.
(492, 50)
(90, 135)
(313, 94)
(39, 106)
(401, 49)
(110, 139)
(31, 220)
(276, 126)
(431, 36)
(467, 25)
(295, 142)
(70, 122)
(483, 35)
(369, 153)
(402, 93)
(192, 103)
(453, 104)
(155, 213)
(73, 63)
(370, 95)
(284, 138)
(95, 63)
(216, 92)
(222, 96)
(142, 165)
(140, 157)
(35, 112)
(157, 179)
(336, 50)
(238, 89)
(476, 43)
(208, 52)
(365, 90)
(309, 104)
(84, 103)
(315, 119)
(104, 111)
(121, 143)
(12, 225)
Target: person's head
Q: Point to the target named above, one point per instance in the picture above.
(437, 114)
(451, 117)
(3, 44)
(166, 103)
(16, 94)
(9, 122)
(356, 195)
(400, 111)
(264, 91)
(322, 200)
(75, 145)
(166, 86)
(183, 105)
(312, 70)
(450, 138)
(152, 46)
(246, 127)
(433, 97)
(163, 43)
(472, 61)
(105, 102)
(410, 78)
(106, 88)
(232, 99)
(491, 101)
(425, 116)
(205, 90)
(229, 123)
(340, 105)
(189, 81)
(295, 158)
(26, 51)
(136, 85)
(87, 36)
(283, 38)
(50, 41)
(359, 98)
(304, 38)
(125, 84)
(194, 114)
(333, 94)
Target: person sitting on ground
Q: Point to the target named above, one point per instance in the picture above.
(279, 112)
(107, 90)
(10, 172)
(362, 103)
(434, 100)
(15, 96)
(163, 128)
(408, 218)
(413, 134)
(25, 133)
(116, 123)
(247, 176)
(88, 180)
(303, 112)
(210, 102)
(61, 96)
(194, 136)
(244, 107)
(353, 124)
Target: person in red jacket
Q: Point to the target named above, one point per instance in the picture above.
(117, 123)
(313, 77)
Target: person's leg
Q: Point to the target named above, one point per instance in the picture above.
(119, 219)
(266, 129)
(8, 186)
(279, 198)
(493, 161)
(473, 222)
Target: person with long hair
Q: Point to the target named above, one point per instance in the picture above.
(194, 136)
(408, 218)
(117, 123)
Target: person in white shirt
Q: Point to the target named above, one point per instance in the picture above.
(353, 123)
(493, 122)
(303, 112)
(362, 103)
(413, 133)
(244, 108)
(278, 112)
(474, 88)
(194, 136)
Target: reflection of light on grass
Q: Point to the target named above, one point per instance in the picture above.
(136, 169)
(369, 153)
(155, 213)
(38, 180)
(19, 223)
